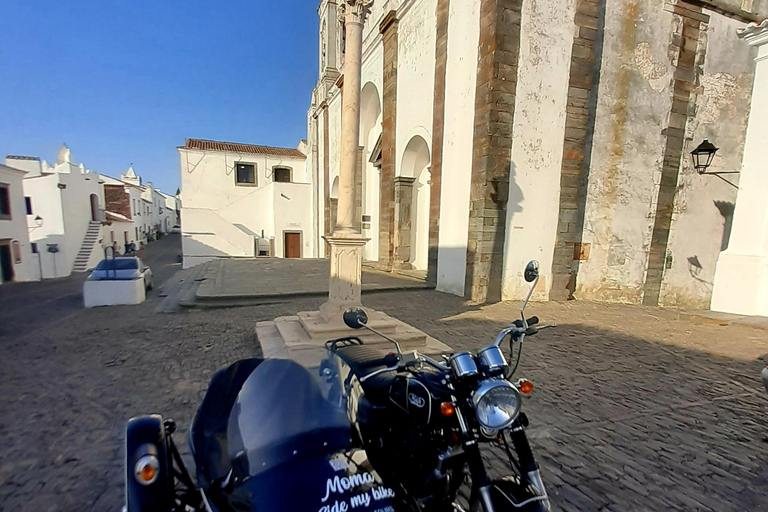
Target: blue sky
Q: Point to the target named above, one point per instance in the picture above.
(126, 82)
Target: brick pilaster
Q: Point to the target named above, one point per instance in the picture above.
(496, 87)
(388, 30)
(326, 176)
(688, 64)
(579, 126)
(438, 132)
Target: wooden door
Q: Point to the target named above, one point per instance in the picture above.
(292, 246)
(6, 262)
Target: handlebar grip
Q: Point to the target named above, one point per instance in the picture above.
(388, 360)
(533, 320)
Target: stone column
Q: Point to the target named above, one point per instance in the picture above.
(741, 278)
(346, 242)
(403, 221)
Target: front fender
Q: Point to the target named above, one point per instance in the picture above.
(140, 434)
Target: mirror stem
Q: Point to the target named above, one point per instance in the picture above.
(530, 293)
(397, 345)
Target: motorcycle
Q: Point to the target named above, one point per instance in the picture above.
(366, 431)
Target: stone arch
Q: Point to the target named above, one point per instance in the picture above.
(412, 195)
(370, 131)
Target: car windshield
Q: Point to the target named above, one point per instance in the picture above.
(118, 264)
(283, 408)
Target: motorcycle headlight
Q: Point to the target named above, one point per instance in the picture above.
(497, 404)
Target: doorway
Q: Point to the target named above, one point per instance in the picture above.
(95, 213)
(6, 262)
(292, 244)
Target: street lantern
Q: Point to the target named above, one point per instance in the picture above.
(703, 156)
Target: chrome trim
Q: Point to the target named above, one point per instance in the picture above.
(488, 386)
(491, 358)
(463, 365)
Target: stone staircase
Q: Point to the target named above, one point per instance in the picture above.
(91, 236)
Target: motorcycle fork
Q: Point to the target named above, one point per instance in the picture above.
(481, 483)
(528, 465)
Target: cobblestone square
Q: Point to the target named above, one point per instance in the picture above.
(634, 408)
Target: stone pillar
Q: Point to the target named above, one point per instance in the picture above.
(438, 133)
(388, 29)
(741, 278)
(403, 221)
(347, 243)
(494, 120)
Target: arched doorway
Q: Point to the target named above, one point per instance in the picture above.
(370, 131)
(334, 200)
(415, 174)
(95, 213)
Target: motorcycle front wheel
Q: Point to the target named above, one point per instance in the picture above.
(507, 495)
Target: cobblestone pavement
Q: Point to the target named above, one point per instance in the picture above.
(634, 408)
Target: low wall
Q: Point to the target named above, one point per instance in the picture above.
(113, 293)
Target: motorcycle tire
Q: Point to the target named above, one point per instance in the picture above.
(504, 493)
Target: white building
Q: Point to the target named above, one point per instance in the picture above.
(66, 201)
(244, 200)
(17, 259)
(501, 131)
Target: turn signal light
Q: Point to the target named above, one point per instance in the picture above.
(525, 386)
(447, 409)
(146, 469)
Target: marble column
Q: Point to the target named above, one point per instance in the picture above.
(741, 278)
(346, 242)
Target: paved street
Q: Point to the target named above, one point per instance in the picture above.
(634, 408)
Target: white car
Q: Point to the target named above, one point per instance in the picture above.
(176, 230)
(123, 268)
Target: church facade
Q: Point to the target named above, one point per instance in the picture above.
(494, 132)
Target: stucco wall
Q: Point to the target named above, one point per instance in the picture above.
(461, 74)
(15, 229)
(704, 204)
(634, 99)
(415, 76)
(537, 146)
(223, 219)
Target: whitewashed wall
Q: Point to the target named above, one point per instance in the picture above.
(15, 229)
(537, 146)
(461, 74)
(222, 219)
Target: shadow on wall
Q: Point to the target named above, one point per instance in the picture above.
(726, 209)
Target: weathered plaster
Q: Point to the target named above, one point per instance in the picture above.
(627, 151)
(537, 147)
(704, 204)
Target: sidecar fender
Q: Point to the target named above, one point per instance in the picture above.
(145, 435)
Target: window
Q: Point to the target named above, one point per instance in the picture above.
(281, 174)
(5, 202)
(34, 248)
(245, 174)
(28, 203)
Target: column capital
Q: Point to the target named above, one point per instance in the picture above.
(354, 11)
(755, 34)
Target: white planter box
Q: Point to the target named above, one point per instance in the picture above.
(113, 293)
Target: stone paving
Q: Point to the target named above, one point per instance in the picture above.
(249, 282)
(634, 408)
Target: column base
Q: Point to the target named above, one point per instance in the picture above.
(741, 284)
(345, 284)
(302, 337)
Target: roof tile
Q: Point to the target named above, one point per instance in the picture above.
(234, 147)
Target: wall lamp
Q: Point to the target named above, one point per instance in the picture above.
(702, 158)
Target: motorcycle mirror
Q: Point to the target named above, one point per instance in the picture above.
(531, 275)
(355, 318)
(531, 271)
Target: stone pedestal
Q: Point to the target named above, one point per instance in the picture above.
(344, 286)
(741, 278)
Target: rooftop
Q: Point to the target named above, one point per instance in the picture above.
(234, 147)
(19, 157)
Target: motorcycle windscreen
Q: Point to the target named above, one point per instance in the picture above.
(284, 412)
(323, 483)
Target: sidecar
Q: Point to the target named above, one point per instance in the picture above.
(269, 436)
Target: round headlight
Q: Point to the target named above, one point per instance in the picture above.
(497, 404)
